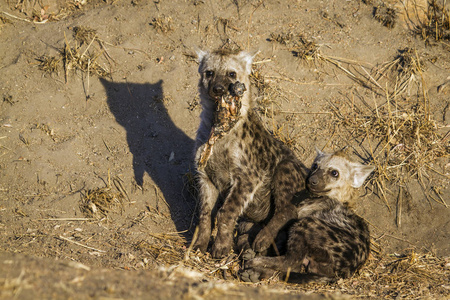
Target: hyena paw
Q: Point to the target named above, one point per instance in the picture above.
(201, 244)
(248, 254)
(220, 250)
(250, 275)
(262, 241)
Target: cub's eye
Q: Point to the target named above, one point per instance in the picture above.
(232, 75)
(335, 173)
(314, 166)
(209, 73)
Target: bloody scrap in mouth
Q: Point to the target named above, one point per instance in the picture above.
(228, 108)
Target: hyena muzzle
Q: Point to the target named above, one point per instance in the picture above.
(247, 172)
(327, 240)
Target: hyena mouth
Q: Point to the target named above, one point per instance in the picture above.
(229, 105)
(317, 191)
(226, 115)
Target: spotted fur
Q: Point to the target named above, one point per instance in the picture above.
(327, 239)
(249, 173)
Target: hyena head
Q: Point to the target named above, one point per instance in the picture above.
(336, 176)
(218, 70)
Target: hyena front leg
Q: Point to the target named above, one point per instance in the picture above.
(240, 194)
(289, 178)
(208, 198)
(247, 231)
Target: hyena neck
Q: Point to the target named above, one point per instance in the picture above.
(344, 195)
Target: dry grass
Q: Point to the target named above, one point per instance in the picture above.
(298, 44)
(409, 275)
(387, 16)
(398, 131)
(162, 24)
(49, 64)
(81, 55)
(402, 72)
(170, 249)
(97, 203)
(402, 138)
(437, 24)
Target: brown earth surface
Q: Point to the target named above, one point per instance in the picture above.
(100, 108)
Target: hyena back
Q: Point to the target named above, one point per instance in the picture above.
(249, 172)
(328, 240)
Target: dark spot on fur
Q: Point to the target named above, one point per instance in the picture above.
(332, 236)
(337, 249)
(349, 255)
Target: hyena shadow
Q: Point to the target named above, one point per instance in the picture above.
(159, 147)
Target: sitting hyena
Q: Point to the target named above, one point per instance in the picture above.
(328, 240)
(247, 172)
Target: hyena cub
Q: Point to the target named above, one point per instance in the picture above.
(327, 240)
(247, 172)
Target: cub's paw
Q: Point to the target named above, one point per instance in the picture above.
(248, 254)
(250, 275)
(262, 241)
(220, 250)
(201, 243)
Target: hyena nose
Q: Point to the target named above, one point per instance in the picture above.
(313, 180)
(218, 90)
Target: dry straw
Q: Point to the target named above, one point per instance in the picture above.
(97, 203)
(410, 275)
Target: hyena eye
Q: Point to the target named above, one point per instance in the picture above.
(209, 73)
(232, 75)
(314, 166)
(335, 173)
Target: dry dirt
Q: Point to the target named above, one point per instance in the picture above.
(96, 171)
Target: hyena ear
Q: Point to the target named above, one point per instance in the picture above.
(200, 54)
(360, 173)
(248, 57)
(318, 152)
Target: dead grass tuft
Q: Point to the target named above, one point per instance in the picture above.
(437, 24)
(267, 94)
(162, 24)
(97, 203)
(385, 15)
(49, 64)
(84, 35)
(80, 55)
(77, 58)
(298, 44)
(403, 71)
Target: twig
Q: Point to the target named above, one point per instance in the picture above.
(399, 207)
(79, 244)
(14, 17)
(66, 219)
(194, 239)
(305, 112)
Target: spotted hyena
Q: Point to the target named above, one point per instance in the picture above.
(327, 239)
(247, 172)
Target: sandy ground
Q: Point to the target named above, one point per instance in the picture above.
(124, 135)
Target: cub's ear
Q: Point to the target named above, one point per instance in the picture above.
(318, 152)
(359, 174)
(248, 57)
(200, 54)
